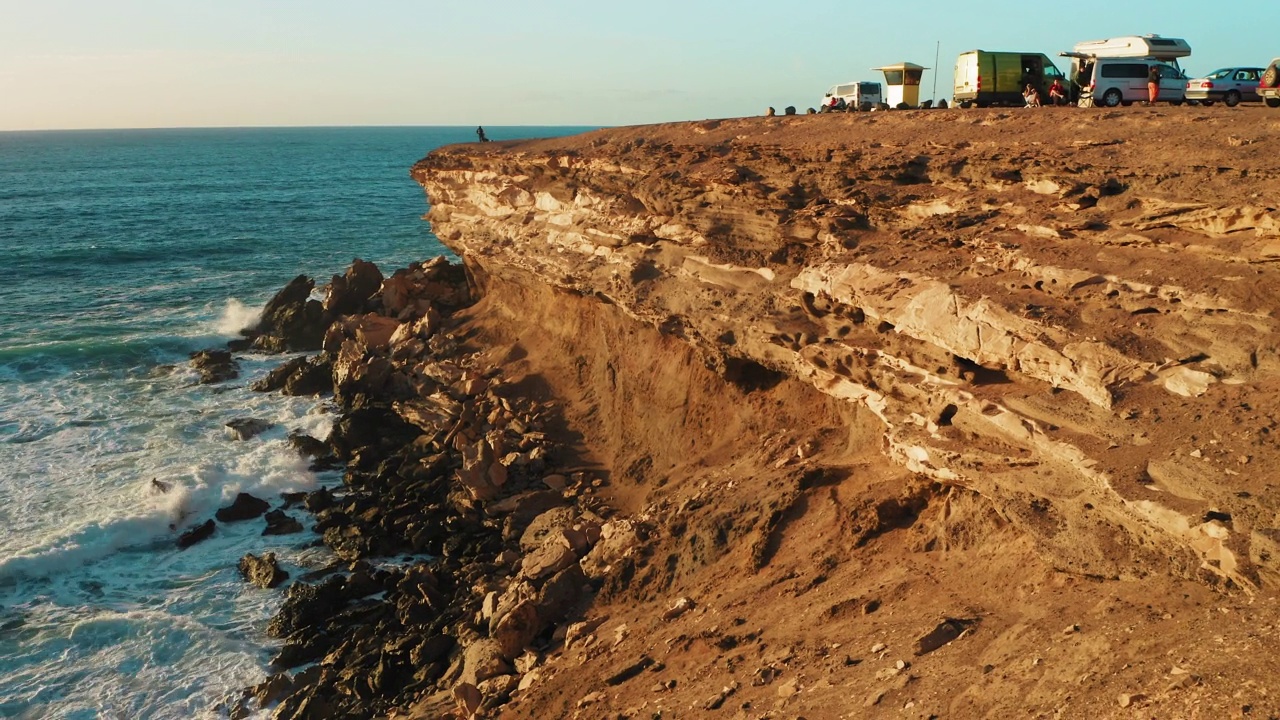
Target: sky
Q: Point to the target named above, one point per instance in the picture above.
(217, 63)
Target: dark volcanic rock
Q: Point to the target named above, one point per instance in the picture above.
(318, 500)
(278, 523)
(307, 446)
(292, 498)
(244, 507)
(313, 378)
(196, 534)
(215, 365)
(273, 689)
(307, 606)
(291, 317)
(376, 428)
(246, 428)
(262, 571)
(299, 376)
(302, 647)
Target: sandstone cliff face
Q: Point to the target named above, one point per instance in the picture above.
(1064, 319)
(1035, 308)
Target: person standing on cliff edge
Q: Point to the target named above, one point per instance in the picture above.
(480, 134)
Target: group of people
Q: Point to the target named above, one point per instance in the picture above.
(1057, 94)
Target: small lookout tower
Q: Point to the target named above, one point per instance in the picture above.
(902, 81)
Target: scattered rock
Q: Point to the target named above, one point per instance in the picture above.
(788, 688)
(244, 507)
(246, 428)
(468, 697)
(678, 608)
(278, 523)
(482, 660)
(262, 571)
(215, 366)
(1127, 699)
(196, 534)
(629, 671)
(945, 632)
(718, 699)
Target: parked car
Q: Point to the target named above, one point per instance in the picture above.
(1269, 87)
(1230, 85)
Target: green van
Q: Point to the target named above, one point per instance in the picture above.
(997, 78)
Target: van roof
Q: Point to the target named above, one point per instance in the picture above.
(1135, 46)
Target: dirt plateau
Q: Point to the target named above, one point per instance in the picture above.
(924, 414)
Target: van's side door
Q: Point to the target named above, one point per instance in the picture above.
(1173, 86)
(1033, 73)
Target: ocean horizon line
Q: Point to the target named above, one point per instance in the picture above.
(33, 131)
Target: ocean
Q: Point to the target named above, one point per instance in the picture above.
(124, 252)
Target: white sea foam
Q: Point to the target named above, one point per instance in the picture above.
(104, 615)
(237, 316)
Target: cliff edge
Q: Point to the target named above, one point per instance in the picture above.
(919, 414)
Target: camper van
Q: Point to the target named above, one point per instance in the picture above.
(1114, 71)
(986, 78)
(860, 95)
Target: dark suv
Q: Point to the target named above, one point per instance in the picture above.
(1269, 88)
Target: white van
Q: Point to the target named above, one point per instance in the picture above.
(855, 94)
(1123, 81)
(1114, 71)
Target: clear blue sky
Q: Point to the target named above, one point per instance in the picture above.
(174, 63)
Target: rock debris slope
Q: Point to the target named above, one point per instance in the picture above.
(1041, 345)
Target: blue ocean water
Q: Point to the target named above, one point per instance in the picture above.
(123, 252)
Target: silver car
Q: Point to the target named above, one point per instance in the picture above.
(1230, 85)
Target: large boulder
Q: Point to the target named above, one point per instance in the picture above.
(299, 376)
(413, 291)
(618, 540)
(483, 660)
(196, 534)
(280, 523)
(262, 571)
(307, 606)
(357, 372)
(245, 507)
(373, 332)
(292, 321)
(351, 292)
(246, 428)
(215, 365)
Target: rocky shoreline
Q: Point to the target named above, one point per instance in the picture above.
(463, 543)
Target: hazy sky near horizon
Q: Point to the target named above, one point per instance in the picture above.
(199, 63)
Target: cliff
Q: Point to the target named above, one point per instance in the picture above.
(944, 413)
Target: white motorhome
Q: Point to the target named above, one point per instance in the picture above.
(1136, 46)
(1114, 71)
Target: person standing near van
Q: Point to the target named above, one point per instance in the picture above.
(1153, 84)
